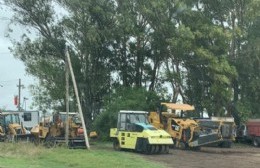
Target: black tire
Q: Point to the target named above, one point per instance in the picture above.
(167, 149)
(157, 149)
(160, 149)
(148, 149)
(116, 145)
(226, 144)
(153, 149)
(163, 149)
(36, 141)
(71, 145)
(174, 144)
(183, 146)
(229, 144)
(50, 142)
(3, 138)
(196, 148)
(255, 142)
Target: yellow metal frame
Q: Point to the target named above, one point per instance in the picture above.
(128, 139)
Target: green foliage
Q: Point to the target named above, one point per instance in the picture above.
(124, 99)
(244, 111)
(26, 155)
(206, 52)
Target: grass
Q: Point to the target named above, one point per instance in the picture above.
(26, 155)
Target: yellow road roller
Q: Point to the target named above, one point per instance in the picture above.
(134, 132)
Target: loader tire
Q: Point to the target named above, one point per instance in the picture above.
(50, 142)
(36, 141)
(116, 145)
(183, 145)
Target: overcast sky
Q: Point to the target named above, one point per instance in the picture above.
(11, 69)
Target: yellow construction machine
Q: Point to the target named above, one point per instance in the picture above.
(53, 133)
(11, 129)
(133, 132)
(185, 132)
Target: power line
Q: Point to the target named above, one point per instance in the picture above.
(11, 80)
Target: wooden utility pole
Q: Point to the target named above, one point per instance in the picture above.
(67, 98)
(19, 95)
(78, 101)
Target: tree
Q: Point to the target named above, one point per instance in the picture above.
(205, 52)
(209, 73)
(88, 31)
(246, 57)
(84, 30)
(124, 99)
(43, 56)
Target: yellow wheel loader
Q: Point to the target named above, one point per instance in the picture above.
(135, 133)
(185, 132)
(53, 133)
(11, 129)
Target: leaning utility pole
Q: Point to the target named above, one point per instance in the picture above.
(67, 98)
(78, 101)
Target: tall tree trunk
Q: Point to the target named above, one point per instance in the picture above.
(139, 63)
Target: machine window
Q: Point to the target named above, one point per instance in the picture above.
(137, 128)
(27, 117)
(122, 122)
(151, 128)
(8, 119)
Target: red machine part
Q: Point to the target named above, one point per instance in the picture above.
(253, 127)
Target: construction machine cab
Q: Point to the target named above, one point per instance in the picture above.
(11, 126)
(127, 119)
(7, 118)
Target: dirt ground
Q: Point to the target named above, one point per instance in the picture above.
(239, 156)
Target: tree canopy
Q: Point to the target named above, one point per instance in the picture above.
(205, 53)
